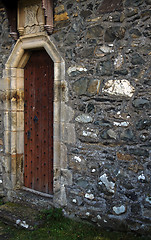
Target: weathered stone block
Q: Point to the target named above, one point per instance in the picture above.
(60, 91)
(110, 186)
(109, 134)
(60, 198)
(68, 133)
(84, 118)
(63, 156)
(119, 210)
(108, 6)
(66, 177)
(134, 3)
(94, 86)
(59, 9)
(71, 38)
(67, 113)
(119, 61)
(85, 13)
(124, 157)
(119, 87)
(137, 59)
(89, 135)
(94, 32)
(131, 12)
(76, 70)
(139, 152)
(141, 102)
(127, 135)
(77, 163)
(20, 141)
(143, 124)
(113, 33)
(105, 68)
(80, 86)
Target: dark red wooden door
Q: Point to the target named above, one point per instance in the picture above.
(38, 122)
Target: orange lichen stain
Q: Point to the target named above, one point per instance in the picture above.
(124, 157)
(135, 167)
(94, 19)
(75, 14)
(61, 17)
(94, 87)
(1, 142)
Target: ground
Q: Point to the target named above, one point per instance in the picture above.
(52, 225)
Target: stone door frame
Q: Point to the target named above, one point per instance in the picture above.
(14, 117)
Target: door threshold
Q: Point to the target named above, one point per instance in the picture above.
(37, 192)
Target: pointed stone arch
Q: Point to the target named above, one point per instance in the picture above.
(14, 117)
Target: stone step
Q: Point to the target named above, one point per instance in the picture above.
(20, 215)
(32, 198)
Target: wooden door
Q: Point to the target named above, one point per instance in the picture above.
(38, 122)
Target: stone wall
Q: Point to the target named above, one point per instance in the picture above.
(107, 50)
(6, 44)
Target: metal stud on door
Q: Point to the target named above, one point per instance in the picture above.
(38, 122)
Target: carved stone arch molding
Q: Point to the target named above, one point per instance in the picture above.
(14, 119)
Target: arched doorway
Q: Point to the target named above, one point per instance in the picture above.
(63, 130)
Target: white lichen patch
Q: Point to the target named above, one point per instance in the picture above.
(77, 159)
(109, 185)
(111, 134)
(84, 118)
(106, 49)
(148, 199)
(89, 196)
(98, 217)
(119, 87)
(118, 62)
(76, 68)
(121, 124)
(92, 133)
(119, 210)
(141, 177)
(22, 223)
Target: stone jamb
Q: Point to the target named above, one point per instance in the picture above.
(14, 115)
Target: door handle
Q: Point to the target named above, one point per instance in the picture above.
(35, 119)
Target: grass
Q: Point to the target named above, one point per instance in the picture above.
(57, 227)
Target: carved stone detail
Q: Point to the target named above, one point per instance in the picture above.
(34, 19)
(31, 16)
(48, 8)
(28, 17)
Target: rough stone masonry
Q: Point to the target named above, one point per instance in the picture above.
(106, 46)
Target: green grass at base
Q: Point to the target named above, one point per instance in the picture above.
(57, 227)
(65, 229)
